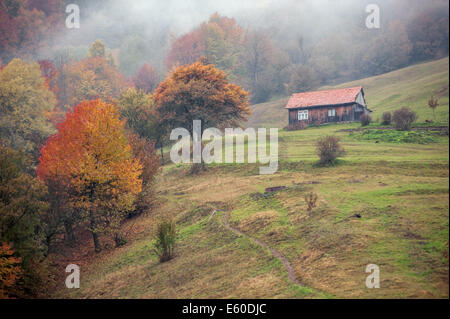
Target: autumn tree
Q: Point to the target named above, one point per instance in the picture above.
(200, 92)
(302, 78)
(428, 32)
(51, 75)
(223, 39)
(26, 27)
(10, 270)
(146, 78)
(97, 49)
(219, 39)
(64, 60)
(25, 103)
(264, 67)
(139, 110)
(22, 203)
(388, 51)
(144, 151)
(91, 154)
(257, 55)
(186, 49)
(93, 78)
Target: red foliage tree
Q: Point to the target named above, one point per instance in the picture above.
(146, 78)
(186, 49)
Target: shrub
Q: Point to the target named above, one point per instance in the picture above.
(403, 119)
(297, 126)
(311, 200)
(365, 119)
(387, 118)
(393, 136)
(433, 104)
(329, 149)
(165, 240)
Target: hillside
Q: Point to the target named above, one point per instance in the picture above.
(384, 203)
(400, 192)
(411, 86)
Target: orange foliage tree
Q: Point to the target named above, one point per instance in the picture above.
(91, 154)
(10, 270)
(219, 39)
(93, 78)
(200, 92)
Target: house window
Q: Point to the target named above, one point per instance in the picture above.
(302, 115)
(332, 112)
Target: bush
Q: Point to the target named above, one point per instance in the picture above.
(297, 126)
(365, 119)
(329, 149)
(311, 200)
(165, 240)
(387, 118)
(393, 136)
(403, 119)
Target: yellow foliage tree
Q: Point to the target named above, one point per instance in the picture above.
(91, 154)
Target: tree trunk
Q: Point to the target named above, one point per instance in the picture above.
(96, 242)
(162, 153)
(95, 235)
(70, 237)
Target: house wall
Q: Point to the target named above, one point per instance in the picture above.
(319, 115)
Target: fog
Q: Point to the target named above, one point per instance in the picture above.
(328, 37)
(155, 20)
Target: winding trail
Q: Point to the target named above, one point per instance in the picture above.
(290, 270)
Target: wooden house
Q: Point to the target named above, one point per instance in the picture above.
(330, 106)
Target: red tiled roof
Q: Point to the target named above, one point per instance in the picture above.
(328, 97)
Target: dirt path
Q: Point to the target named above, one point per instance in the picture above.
(287, 265)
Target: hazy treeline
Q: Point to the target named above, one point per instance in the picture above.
(269, 47)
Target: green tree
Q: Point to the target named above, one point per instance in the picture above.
(24, 103)
(97, 49)
(142, 117)
(22, 203)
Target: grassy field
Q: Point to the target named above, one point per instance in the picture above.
(411, 86)
(399, 190)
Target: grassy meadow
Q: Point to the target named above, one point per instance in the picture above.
(399, 190)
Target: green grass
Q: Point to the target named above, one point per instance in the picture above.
(393, 136)
(399, 189)
(411, 86)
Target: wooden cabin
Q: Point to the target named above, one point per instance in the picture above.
(330, 106)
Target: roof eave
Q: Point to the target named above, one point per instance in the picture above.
(316, 106)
